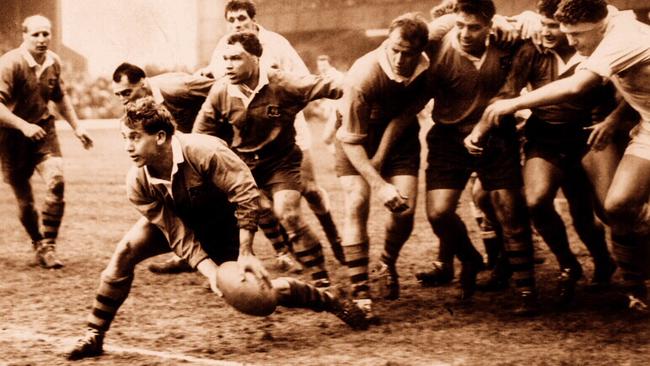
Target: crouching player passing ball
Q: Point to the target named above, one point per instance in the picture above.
(198, 199)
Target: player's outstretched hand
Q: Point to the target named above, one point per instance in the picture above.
(83, 136)
(33, 132)
(250, 263)
(393, 200)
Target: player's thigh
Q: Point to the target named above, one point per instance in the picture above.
(542, 178)
(407, 185)
(631, 185)
(600, 166)
(307, 169)
(142, 241)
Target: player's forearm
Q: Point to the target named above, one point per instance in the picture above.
(559, 90)
(8, 119)
(67, 112)
(246, 242)
(207, 267)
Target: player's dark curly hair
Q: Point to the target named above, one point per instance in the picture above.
(236, 5)
(547, 7)
(413, 28)
(153, 117)
(581, 11)
(248, 40)
(133, 73)
(483, 9)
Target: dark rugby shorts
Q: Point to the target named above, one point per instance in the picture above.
(403, 158)
(450, 164)
(563, 145)
(276, 171)
(20, 155)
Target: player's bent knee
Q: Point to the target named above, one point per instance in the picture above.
(56, 187)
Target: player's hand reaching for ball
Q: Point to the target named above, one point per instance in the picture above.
(250, 263)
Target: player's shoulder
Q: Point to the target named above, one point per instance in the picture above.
(200, 144)
(365, 68)
(11, 58)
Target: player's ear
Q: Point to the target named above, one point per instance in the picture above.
(161, 137)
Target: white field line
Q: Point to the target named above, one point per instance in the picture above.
(21, 334)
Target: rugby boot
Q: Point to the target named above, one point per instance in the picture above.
(499, 278)
(637, 300)
(566, 286)
(441, 274)
(603, 273)
(388, 281)
(364, 302)
(349, 312)
(527, 304)
(285, 262)
(467, 277)
(46, 255)
(172, 265)
(91, 345)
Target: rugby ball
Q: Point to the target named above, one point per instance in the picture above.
(249, 296)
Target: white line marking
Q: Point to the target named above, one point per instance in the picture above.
(24, 334)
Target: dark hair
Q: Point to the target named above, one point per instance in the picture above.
(413, 28)
(133, 73)
(445, 7)
(483, 9)
(581, 11)
(547, 7)
(153, 117)
(235, 5)
(248, 40)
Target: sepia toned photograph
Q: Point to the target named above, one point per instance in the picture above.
(324, 182)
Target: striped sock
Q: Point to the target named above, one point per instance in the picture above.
(274, 231)
(519, 249)
(108, 299)
(298, 294)
(309, 252)
(357, 260)
(51, 219)
(629, 257)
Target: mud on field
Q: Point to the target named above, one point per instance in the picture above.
(174, 320)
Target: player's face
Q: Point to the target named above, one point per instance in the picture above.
(240, 65)
(38, 36)
(128, 92)
(552, 37)
(403, 55)
(141, 146)
(239, 21)
(472, 33)
(585, 41)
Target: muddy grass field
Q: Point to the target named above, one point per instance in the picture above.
(173, 320)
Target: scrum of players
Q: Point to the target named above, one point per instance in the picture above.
(227, 148)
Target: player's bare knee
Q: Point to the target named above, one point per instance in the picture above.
(620, 210)
(56, 188)
(291, 219)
